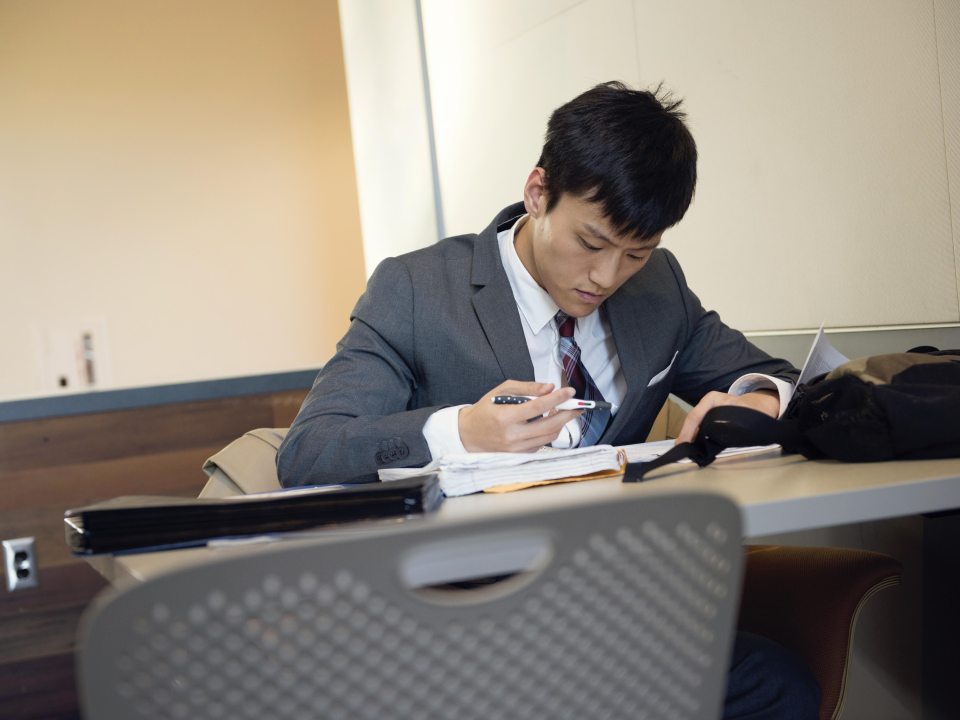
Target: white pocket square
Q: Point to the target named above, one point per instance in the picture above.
(663, 373)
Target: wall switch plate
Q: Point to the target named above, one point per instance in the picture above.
(20, 561)
(73, 355)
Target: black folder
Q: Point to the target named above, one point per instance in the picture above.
(139, 523)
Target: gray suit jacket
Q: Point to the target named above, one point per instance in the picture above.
(440, 327)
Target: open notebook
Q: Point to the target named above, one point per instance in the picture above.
(504, 472)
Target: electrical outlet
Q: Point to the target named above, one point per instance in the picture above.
(20, 560)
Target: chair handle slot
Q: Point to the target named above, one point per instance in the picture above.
(475, 568)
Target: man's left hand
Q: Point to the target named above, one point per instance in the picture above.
(766, 401)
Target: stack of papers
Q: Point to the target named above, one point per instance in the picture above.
(468, 473)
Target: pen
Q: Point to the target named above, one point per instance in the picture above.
(571, 404)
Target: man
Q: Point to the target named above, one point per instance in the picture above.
(564, 293)
(439, 331)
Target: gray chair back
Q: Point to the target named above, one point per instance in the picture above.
(611, 610)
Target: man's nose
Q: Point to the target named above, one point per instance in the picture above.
(603, 272)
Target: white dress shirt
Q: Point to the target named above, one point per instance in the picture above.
(598, 353)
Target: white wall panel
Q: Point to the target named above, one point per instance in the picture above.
(388, 122)
(497, 70)
(823, 189)
(948, 43)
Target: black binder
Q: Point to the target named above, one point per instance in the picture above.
(140, 523)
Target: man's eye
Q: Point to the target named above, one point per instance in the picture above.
(637, 258)
(587, 245)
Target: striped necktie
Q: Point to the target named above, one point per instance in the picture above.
(592, 422)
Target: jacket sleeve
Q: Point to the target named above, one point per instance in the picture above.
(715, 355)
(357, 418)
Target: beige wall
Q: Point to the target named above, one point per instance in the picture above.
(178, 176)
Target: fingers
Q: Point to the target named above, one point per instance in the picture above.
(487, 427)
(544, 431)
(765, 401)
(535, 423)
(691, 425)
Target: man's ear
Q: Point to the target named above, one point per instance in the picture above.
(535, 192)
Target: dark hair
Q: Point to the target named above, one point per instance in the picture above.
(628, 150)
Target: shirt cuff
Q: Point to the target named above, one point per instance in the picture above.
(758, 381)
(442, 432)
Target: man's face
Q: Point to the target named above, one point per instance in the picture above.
(574, 254)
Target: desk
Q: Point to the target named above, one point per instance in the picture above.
(777, 494)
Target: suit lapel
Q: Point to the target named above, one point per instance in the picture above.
(627, 325)
(494, 304)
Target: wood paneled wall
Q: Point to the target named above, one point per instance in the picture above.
(50, 465)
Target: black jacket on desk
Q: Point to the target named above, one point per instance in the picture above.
(440, 327)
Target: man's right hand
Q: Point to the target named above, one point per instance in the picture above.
(486, 427)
